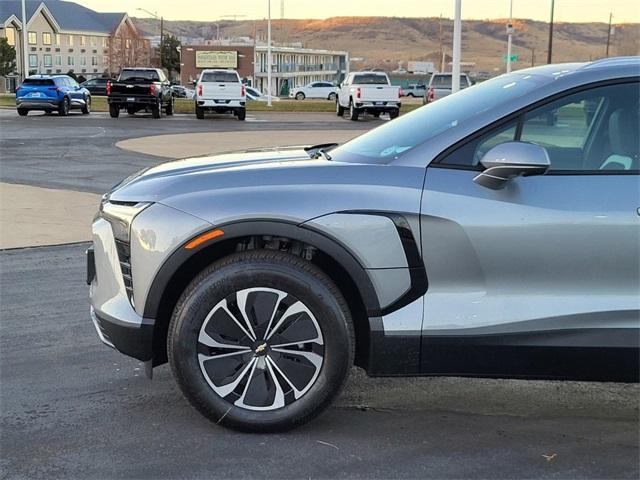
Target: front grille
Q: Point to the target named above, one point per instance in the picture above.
(124, 257)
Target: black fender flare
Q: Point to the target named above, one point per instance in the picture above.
(320, 240)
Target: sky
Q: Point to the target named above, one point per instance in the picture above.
(565, 10)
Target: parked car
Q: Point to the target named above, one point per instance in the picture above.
(138, 89)
(324, 90)
(97, 86)
(178, 91)
(414, 90)
(220, 91)
(256, 95)
(466, 238)
(440, 86)
(368, 92)
(52, 92)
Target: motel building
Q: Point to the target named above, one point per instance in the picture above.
(291, 67)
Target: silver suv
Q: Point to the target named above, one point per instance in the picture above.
(495, 232)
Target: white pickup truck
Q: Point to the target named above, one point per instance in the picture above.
(220, 91)
(368, 92)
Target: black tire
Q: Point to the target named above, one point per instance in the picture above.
(339, 109)
(297, 282)
(63, 111)
(353, 112)
(48, 111)
(169, 109)
(332, 96)
(131, 111)
(241, 114)
(199, 113)
(114, 111)
(376, 114)
(300, 96)
(86, 110)
(23, 112)
(394, 114)
(156, 111)
(410, 95)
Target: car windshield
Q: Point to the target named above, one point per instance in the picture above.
(223, 77)
(139, 76)
(38, 82)
(388, 142)
(370, 79)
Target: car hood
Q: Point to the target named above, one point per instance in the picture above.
(148, 184)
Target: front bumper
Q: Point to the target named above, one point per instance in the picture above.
(120, 280)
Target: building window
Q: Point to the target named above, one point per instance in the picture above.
(94, 41)
(11, 36)
(70, 60)
(47, 60)
(105, 60)
(104, 42)
(83, 61)
(57, 39)
(82, 40)
(58, 60)
(127, 43)
(33, 60)
(94, 61)
(46, 38)
(70, 38)
(33, 38)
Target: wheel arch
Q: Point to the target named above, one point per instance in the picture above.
(333, 258)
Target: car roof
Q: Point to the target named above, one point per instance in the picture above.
(219, 70)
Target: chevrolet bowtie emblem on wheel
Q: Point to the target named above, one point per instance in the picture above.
(261, 348)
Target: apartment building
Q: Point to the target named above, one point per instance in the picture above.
(292, 66)
(64, 36)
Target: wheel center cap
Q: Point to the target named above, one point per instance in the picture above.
(261, 348)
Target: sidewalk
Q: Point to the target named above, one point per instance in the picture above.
(33, 216)
(183, 145)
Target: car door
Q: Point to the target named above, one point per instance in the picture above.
(546, 264)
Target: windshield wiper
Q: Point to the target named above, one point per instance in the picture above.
(316, 151)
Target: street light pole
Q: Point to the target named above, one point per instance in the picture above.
(550, 47)
(25, 53)
(457, 40)
(509, 36)
(269, 67)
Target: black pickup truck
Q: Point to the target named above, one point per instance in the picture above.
(140, 89)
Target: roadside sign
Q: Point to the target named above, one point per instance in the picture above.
(514, 58)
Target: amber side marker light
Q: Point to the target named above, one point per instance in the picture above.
(205, 237)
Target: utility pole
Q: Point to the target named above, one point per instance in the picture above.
(550, 47)
(161, 41)
(441, 46)
(25, 47)
(269, 66)
(533, 57)
(509, 36)
(457, 40)
(609, 34)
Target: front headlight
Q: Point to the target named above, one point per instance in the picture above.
(120, 215)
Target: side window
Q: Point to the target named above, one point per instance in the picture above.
(596, 129)
(593, 130)
(472, 152)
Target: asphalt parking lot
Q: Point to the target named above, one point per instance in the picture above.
(72, 408)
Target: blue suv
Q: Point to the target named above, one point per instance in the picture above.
(52, 92)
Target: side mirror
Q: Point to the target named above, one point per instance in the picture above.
(509, 160)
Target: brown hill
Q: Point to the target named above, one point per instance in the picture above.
(384, 41)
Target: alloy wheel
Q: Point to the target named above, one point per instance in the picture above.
(260, 349)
